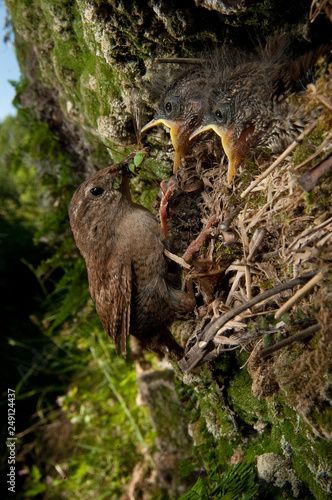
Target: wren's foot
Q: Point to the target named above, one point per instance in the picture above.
(161, 344)
(198, 242)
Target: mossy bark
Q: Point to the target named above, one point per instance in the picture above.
(81, 61)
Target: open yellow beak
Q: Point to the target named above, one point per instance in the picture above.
(227, 144)
(174, 131)
(153, 123)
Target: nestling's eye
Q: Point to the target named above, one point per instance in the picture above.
(218, 114)
(168, 107)
(97, 191)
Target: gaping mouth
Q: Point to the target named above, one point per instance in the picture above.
(235, 148)
(228, 144)
(176, 133)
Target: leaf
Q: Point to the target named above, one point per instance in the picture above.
(198, 491)
(138, 159)
(237, 482)
(285, 317)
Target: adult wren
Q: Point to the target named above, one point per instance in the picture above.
(136, 288)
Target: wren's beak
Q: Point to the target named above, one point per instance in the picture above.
(175, 131)
(229, 145)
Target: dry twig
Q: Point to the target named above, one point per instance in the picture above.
(197, 353)
(298, 336)
(279, 159)
(322, 98)
(177, 259)
(310, 179)
(305, 235)
(316, 8)
(298, 295)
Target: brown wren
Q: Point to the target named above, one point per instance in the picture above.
(136, 288)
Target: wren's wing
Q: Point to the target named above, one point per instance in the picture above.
(112, 294)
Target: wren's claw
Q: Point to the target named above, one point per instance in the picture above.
(194, 346)
(198, 242)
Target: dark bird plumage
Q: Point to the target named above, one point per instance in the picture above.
(135, 288)
(246, 105)
(239, 95)
(183, 102)
(181, 110)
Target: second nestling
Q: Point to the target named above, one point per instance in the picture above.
(241, 97)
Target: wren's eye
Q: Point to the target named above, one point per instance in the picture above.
(168, 107)
(218, 114)
(97, 191)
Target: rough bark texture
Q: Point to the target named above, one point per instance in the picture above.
(82, 60)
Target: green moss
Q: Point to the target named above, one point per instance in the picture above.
(258, 201)
(91, 53)
(148, 197)
(309, 199)
(248, 407)
(319, 133)
(85, 80)
(280, 430)
(291, 433)
(302, 152)
(267, 284)
(250, 171)
(159, 169)
(222, 366)
(284, 218)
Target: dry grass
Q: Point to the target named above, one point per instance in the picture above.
(262, 231)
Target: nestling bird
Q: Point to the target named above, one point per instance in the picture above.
(239, 95)
(246, 106)
(133, 284)
(181, 109)
(182, 104)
